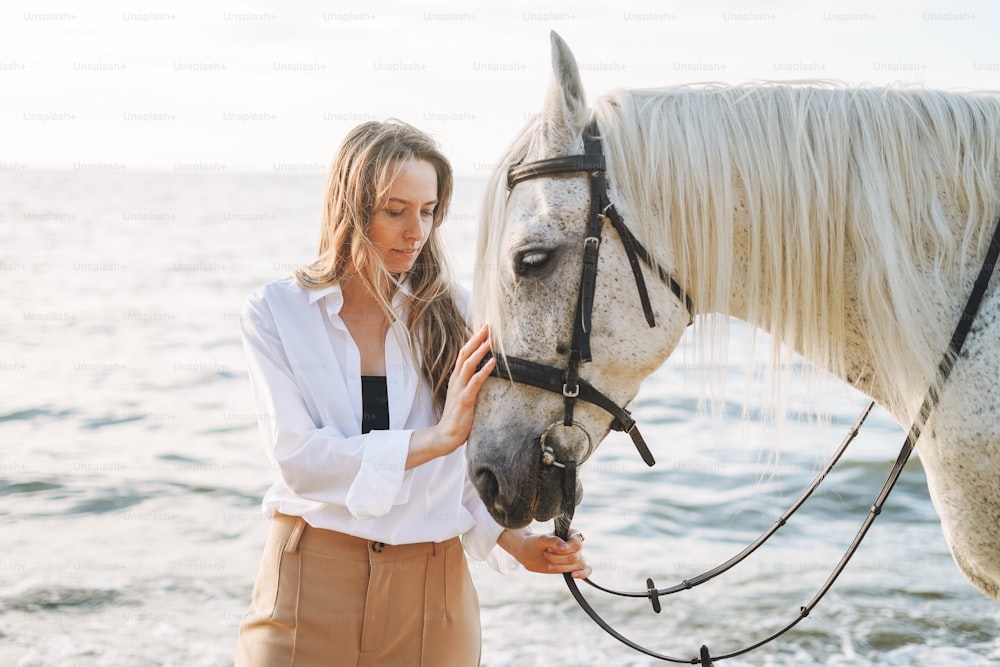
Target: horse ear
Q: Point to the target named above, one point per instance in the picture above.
(565, 111)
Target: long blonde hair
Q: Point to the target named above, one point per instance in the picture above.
(363, 170)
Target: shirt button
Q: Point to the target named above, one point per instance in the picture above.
(378, 546)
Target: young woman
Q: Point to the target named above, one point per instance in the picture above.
(364, 375)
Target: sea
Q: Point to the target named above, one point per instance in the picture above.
(131, 470)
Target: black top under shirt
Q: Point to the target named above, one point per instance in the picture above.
(374, 403)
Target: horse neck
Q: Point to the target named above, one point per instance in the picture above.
(826, 325)
(759, 308)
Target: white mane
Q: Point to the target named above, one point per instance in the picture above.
(859, 204)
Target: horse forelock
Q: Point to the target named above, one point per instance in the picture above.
(490, 292)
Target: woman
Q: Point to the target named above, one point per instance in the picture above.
(365, 378)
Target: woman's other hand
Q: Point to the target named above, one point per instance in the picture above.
(452, 430)
(547, 554)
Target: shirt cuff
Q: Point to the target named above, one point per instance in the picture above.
(480, 542)
(383, 480)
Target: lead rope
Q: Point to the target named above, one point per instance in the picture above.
(945, 367)
(697, 580)
(562, 526)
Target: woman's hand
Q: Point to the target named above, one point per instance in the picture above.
(452, 430)
(547, 554)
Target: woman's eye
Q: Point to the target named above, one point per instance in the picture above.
(394, 214)
(427, 214)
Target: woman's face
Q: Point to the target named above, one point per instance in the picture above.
(400, 228)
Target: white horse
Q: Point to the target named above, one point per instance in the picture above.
(850, 224)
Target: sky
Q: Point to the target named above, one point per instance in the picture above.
(220, 86)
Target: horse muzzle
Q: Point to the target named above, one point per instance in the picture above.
(530, 485)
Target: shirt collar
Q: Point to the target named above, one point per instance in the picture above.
(316, 294)
(336, 300)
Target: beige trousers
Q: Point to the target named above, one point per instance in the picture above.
(330, 599)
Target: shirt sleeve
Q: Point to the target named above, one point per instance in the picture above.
(480, 541)
(364, 473)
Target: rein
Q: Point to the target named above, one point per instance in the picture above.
(567, 382)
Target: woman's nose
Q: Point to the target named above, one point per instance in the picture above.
(414, 228)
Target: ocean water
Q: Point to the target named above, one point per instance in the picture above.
(131, 470)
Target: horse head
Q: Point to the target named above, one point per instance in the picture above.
(531, 288)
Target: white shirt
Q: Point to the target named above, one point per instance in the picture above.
(305, 373)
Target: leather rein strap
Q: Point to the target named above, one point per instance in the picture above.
(567, 382)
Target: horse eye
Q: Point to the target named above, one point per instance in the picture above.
(530, 261)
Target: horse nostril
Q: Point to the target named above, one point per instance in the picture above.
(487, 485)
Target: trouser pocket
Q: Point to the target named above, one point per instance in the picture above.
(276, 588)
(267, 633)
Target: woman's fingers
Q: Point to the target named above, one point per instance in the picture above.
(479, 374)
(472, 354)
(475, 341)
(577, 565)
(566, 556)
(464, 385)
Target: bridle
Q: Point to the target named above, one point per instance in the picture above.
(568, 383)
